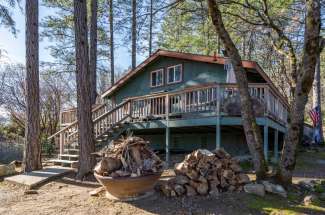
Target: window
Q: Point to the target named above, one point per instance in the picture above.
(174, 74)
(157, 78)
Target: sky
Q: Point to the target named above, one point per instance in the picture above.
(14, 46)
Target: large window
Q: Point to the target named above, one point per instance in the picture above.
(174, 74)
(157, 78)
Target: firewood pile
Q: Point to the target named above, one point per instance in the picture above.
(128, 156)
(204, 172)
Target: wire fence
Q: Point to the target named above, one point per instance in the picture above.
(11, 150)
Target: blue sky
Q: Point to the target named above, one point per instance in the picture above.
(15, 46)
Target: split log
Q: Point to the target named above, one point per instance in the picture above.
(203, 172)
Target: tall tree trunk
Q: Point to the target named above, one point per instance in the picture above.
(93, 51)
(111, 30)
(150, 27)
(32, 152)
(85, 132)
(304, 81)
(317, 96)
(134, 34)
(252, 130)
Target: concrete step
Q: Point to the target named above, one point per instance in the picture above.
(64, 163)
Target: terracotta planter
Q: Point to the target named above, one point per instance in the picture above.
(126, 188)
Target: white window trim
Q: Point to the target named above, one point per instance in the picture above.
(181, 75)
(157, 71)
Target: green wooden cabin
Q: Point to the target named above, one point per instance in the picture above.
(181, 101)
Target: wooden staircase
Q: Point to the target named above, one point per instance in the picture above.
(108, 125)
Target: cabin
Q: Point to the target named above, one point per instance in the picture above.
(181, 102)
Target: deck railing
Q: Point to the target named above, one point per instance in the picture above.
(212, 99)
(69, 116)
(101, 124)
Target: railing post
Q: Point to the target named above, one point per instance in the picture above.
(218, 126)
(130, 108)
(267, 100)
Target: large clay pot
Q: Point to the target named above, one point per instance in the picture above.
(126, 188)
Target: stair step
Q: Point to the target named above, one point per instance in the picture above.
(71, 151)
(69, 157)
(72, 164)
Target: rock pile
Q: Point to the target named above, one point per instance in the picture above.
(204, 172)
(128, 156)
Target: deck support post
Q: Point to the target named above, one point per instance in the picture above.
(167, 145)
(167, 130)
(218, 133)
(276, 145)
(266, 140)
(218, 128)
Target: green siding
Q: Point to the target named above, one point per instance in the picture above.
(194, 73)
(234, 142)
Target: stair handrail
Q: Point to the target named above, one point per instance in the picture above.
(107, 113)
(75, 122)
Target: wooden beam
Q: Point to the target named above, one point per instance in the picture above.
(167, 151)
(276, 145)
(218, 134)
(266, 140)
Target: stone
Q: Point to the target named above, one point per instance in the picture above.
(179, 189)
(7, 169)
(274, 188)
(30, 192)
(181, 179)
(257, 189)
(202, 189)
(166, 189)
(309, 199)
(190, 191)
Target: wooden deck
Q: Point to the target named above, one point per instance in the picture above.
(218, 104)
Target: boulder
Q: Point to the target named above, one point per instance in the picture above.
(257, 189)
(7, 169)
(274, 188)
(309, 199)
(179, 189)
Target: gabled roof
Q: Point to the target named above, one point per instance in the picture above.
(187, 56)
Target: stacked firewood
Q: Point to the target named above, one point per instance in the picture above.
(204, 172)
(128, 156)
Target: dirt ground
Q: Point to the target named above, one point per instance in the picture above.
(65, 196)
